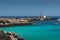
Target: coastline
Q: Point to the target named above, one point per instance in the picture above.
(22, 21)
(9, 36)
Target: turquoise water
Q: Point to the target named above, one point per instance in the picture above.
(42, 32)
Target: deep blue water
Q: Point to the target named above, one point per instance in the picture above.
(26, 16)
(39, 30)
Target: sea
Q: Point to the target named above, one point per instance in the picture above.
(39, 30)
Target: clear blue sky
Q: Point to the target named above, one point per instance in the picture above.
(29, 7)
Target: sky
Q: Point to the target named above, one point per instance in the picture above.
(29, 7)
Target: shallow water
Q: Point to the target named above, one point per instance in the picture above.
(41, 32)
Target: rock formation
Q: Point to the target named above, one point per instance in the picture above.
(8, 36)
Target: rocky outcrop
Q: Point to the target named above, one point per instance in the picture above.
(13, 22)
(22, 21)
(8, 36)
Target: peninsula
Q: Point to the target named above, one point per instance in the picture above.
(22, 21)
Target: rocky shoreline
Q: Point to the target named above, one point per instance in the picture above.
(14, 21)
(22, 21)
(9, 36)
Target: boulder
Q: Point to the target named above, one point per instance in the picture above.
(8, 36)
